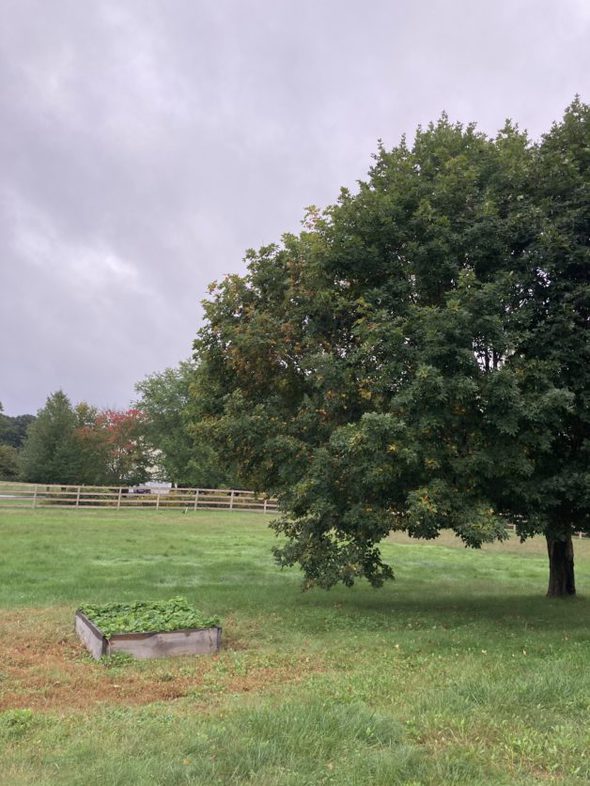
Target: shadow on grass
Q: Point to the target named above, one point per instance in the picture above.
(367, 609)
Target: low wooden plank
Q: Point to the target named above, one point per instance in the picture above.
(90, 635)
(205, 641)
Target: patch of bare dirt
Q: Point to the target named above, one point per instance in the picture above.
(43, 666)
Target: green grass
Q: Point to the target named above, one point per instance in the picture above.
(459, 672)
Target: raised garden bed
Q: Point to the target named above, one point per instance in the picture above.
(147, 630)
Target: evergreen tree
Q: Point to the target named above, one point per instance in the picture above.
(49, 453)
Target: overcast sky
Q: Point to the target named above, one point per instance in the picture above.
(146, 144)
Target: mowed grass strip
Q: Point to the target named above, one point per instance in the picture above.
(459, 672)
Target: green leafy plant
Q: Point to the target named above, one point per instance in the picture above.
(147, 617)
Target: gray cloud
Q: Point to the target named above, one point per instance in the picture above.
(146, 144)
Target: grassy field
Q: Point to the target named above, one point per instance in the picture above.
(459, 672)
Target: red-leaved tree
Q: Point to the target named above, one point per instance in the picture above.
(112, 446)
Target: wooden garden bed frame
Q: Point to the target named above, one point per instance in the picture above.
(164, 644)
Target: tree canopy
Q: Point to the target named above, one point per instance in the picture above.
(418, 357)
(169, 411)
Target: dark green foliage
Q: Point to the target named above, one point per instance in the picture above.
(9, 464)
(147, 617)
(49, 453)
(13, 430)
(12, 435)
(418, 358)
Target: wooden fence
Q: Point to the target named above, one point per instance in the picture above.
(512, 528)
(36, 495)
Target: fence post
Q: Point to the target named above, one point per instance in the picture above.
(78, 497)
(119, 497)
(265, 501)
(158, 501)
(35, 496)
(196, 505)
(231, 500)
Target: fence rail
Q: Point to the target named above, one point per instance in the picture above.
(512, 528)
(35, 495)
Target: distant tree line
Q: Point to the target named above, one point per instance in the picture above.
(82, 444)
(13, 431)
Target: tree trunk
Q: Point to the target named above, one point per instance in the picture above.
(561, 566)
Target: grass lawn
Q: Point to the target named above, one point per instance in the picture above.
(459, 672)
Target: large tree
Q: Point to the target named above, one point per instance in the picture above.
(168, 413)
(418, 358)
